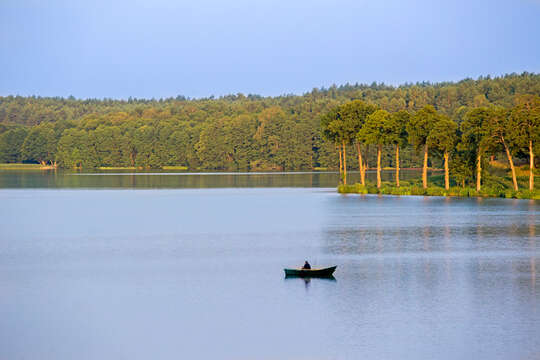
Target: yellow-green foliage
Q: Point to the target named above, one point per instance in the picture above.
(20, 166)
(497, 164)
(524, 171)
(117, 168)
(175, 168)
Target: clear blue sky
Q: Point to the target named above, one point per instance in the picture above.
(162, 48)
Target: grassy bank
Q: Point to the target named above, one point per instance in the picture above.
(142, 168)
(497, 187)
(496, 183)
(438, 191)
(183, 168)
(18, 166)
(22, 167)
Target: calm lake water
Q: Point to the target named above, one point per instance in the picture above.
(180, 180)
(193, 269)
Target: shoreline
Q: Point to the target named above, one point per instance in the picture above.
(30, 166)
(438, 191)
(21, 166)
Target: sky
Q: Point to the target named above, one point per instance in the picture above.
(200, 48)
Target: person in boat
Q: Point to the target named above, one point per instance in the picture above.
(306, 266)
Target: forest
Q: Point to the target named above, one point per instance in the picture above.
(484, 131)
(455, 125)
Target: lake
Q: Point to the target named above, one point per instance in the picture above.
(179, 180)
(179, 266)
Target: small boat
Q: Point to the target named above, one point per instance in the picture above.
(325, 272)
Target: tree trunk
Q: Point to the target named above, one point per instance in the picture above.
(340, 164)
(514, 180)
(478, 171)
(446, 172)
(344, 163)
(424, 168)
(397, 165)
(379, 150)
(361, 165)
(531, 166)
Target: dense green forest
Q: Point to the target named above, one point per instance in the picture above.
(243, 133)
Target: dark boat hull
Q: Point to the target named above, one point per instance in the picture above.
(326, 272)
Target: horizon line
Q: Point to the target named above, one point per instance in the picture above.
(180, 97)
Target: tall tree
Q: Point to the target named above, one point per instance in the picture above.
(331, 132)
(475, 137)
(377, 130)
(340, 126)
(526, 120)
(419, 128)
(354, 114)
(502, 132)
(397, 134)
(342, 129)
(443, 138)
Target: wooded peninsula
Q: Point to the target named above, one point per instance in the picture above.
(473, 129)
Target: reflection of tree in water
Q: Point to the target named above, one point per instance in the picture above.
(447, 248)
(411, 264)
(377, 240)
(532, 243)
(371, 227)
(168, 179)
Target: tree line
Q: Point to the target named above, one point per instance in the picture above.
(485, 130)
(243, 132)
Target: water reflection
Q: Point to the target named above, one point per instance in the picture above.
(174, 180)
(307, 280)
(415, 225)
(458, 267)
(532, 245)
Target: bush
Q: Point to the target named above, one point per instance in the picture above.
(528, 194)
(346, 189)
(493, 191)
(458, 191)
(352, 189)
(405, 190)
(417, 190)
(435, 191)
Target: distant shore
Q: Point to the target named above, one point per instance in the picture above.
(19, 166)
(23, 166)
